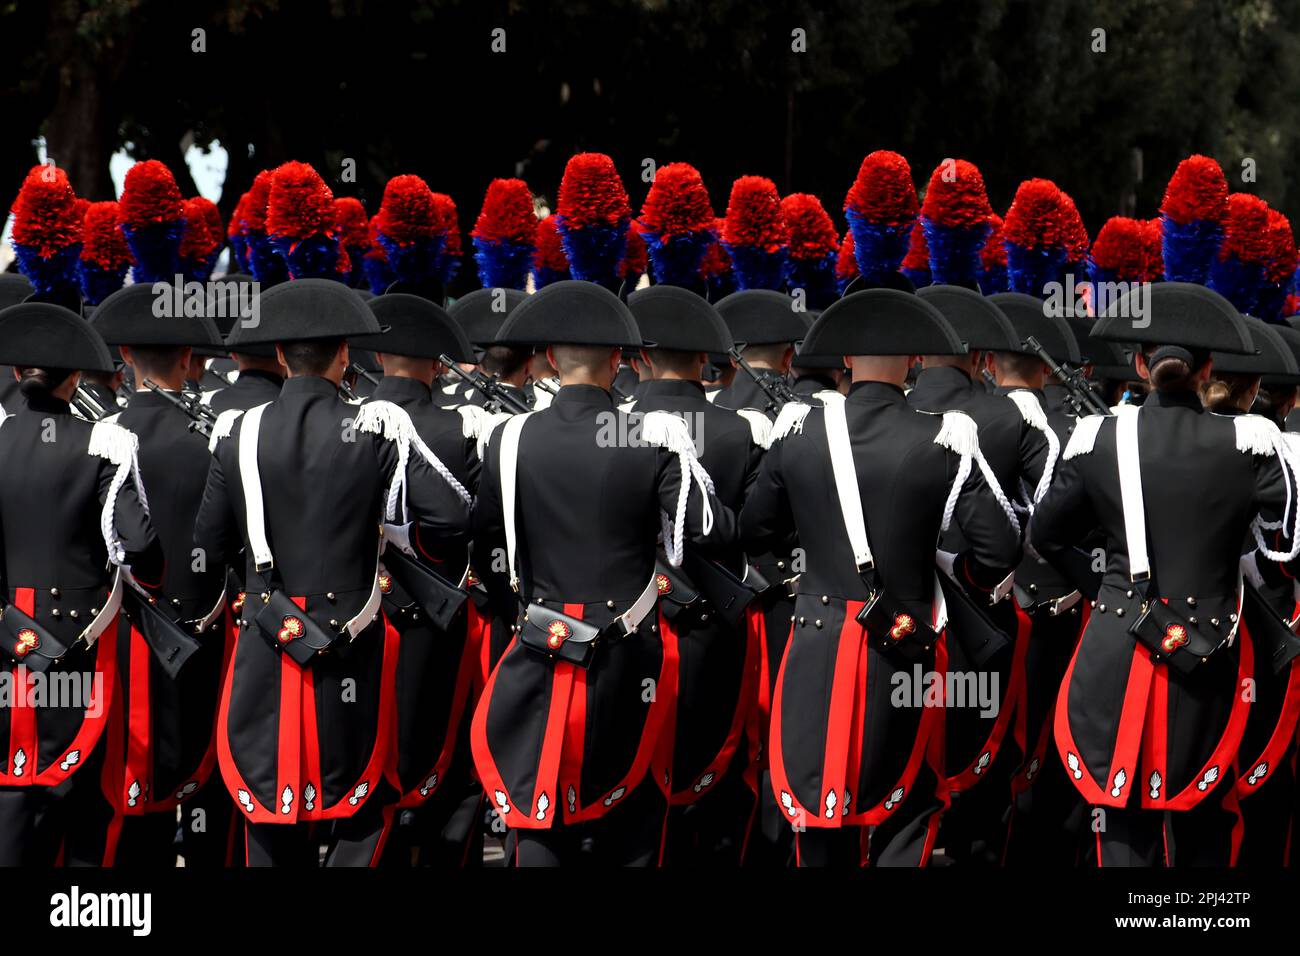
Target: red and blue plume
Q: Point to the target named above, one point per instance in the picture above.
(636, 259)
(846, 263)
(1076, 235)
(881, 208)
(410, 231)
(813, 247)
(505, 235)
(993, 260)
(916, 264)
(1279, 268)
(201, 241)
(956, 217)
(1237, 272)
(105, 256)
(715, 267)
(1192, 216)
(374, 261)
(549, 261)
(1119, 254)
(353, 229)
(300, 222)
(1152, 239)
(236, 237)
(266, 265)
(47, 233)
(447, 263)
(1035, 236)
(592, 216)
(152, 215)
(677, 224)
(754, 234)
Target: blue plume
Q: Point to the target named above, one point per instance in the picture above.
(1189, 250)
(501, 264)
(594, 252)
(56, 274)
(676, 261)
(954, 251)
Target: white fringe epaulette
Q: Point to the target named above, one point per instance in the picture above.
(788, 421)
(1030, 409)
(490, 422)
(472, 420)
(1032, 412)
(958, 433)
(119, 447)
(760, 426)
(711, 393)
(670, 432)
(1084, 436)
(1256, 435)
(222, 427)
(391, 422)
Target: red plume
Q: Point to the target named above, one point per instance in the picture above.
(636, 259)
(993, 253)
(1073, 230)
(373, 249)
(259, 195)
(1197, 191)
(716, 262)
(754, 215)
(300, 204)
(918, 252)
(1121, 248)
(407, 212)
(677, 203)
(956, 197)
(1245, 234)
(237, 226)
(103, 244)
(150, 196)
(883, 193)
(448, 223)
(812, 234)
(198, 241)
(45, 212)
(1152, 243)
(846, 265)
(591, 193)
(350, 222)
(1035, 219)
(550, 251)
(507, 214)
(210, 213)
(1280, 253)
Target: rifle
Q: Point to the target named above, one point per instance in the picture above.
(1077, 390)
(202, 417)
(778, 392)
(988, 377)
(88, 405)
(497, 398)
(368, 375)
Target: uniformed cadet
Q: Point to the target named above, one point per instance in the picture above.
(71, 517)
(162, 751)
(481, 314)
(258, 374)
(765, 327)
(1152, 707)
(440, 664)
(869, 484)
(567, 736)
(302, 484)
(711, 606)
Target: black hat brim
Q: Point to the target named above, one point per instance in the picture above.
(1179, 313)
(977, 321)
(44, 335)
(670, 317)
(139, 315)
(882, 322)
(416, 328)
(571, 312)
(304, 310)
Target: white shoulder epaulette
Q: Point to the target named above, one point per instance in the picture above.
(789, 420)
(111, 419)
(760, 426)
(222, 426)
(1084, 436)
(490, 422)
(667, 431)
(118, 446)
(958, 433)
(206, 397)
(112, 441)
(628, 406)
(1031, 410)
(1256, 435)
(711, 394)
(385, 419)
(828, 395)
(472, 419)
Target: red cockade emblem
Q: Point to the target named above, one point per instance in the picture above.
(385, 582)
(1175, 637)
(662, 584)
(903, 626)
(557, 633)
(28, 641)
(238, 604)
(290, 628)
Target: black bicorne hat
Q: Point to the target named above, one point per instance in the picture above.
(1108, 359)
(761, 317)
(416, 327)
(977, 321)
(137, 315)
(230, 294)
(671, 317)
(890, 280)
(44, 335)
(1273, 357)
(806, 360)
(1181, 314)
(14, 288)
(571, 312)
(1291, 339)
(882, 322)
(1028, 317)
(305, 309)
(481, 313)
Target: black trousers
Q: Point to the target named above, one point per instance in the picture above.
(629, 835)
(354, 841)
(39, 826)
(713, 831)
(1048, 821)
(211, 831)
(1202, 836)
(446, 832)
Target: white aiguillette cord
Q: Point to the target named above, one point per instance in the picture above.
(250, 478)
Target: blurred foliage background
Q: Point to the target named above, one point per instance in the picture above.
(1017, 86)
